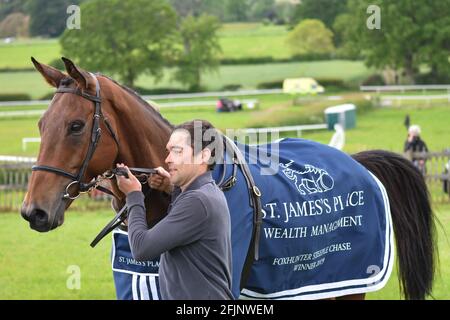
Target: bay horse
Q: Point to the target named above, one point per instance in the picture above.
(80, 142)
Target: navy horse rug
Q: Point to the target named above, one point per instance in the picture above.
(326, 228)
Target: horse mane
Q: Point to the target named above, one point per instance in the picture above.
(141, 101)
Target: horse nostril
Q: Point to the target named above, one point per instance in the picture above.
(40, 215)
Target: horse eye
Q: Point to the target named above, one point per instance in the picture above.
(76, 126)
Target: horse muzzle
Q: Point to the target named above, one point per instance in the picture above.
(39, 218)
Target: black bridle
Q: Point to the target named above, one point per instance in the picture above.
(93, 142)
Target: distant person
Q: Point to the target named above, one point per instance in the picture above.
(227, 105)
(338, 139)
(414, 145)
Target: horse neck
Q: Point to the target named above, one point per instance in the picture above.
(143, 133)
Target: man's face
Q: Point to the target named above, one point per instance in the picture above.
(183, 165)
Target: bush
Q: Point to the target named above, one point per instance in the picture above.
(231, 87)
(333, 84)
(363, 106)
(325, 82)
(312, 57)
(432, 78)
(47, 96)
(269, 59)
(249, 60)
(14, 97)
(374, 80)
(14, 25)
(277, 84)
(146, 91)
(9, 69)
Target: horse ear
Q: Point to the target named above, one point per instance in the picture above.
(51, 75)
(81, 77)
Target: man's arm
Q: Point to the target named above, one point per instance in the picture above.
(183, 225)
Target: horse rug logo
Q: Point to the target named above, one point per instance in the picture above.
(319, 181)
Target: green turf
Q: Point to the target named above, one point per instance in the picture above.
(380, 128)
(35, 265)
(265, 41)
(254, 40)
(248, 76)
(17, 54)
(12, 132)
(384, 129)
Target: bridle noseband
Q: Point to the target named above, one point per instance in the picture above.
(93, 142)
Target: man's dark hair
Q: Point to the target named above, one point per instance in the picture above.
(201, 141)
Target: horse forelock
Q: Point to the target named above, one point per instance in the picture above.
(66, 82)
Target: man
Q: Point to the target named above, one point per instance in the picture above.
(414, 145)
(194, 239)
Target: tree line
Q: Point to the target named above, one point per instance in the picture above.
(413, 39)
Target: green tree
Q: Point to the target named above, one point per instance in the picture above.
(323, 10)
(48, 17)
(311, 37)
(412, 34)
(342, 33)
(8, 7)
(261, 9)
(237, 10)
(14, 25)
(201, 49)
(124, 37)
(195, 8)
(187, 7)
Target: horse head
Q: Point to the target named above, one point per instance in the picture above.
(71, 152)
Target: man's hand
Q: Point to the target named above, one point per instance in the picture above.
(127, 185)
(160, 181)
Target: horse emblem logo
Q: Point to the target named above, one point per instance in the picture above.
(309, 181)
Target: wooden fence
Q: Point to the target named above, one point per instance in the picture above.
(13, 187)
(436, 172)
(14, 181)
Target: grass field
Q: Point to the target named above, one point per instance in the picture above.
(384, 129)
(17, 54)
(248, 76)
(266, 41)
(244, 40)
(34, 266)
(380, 128)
